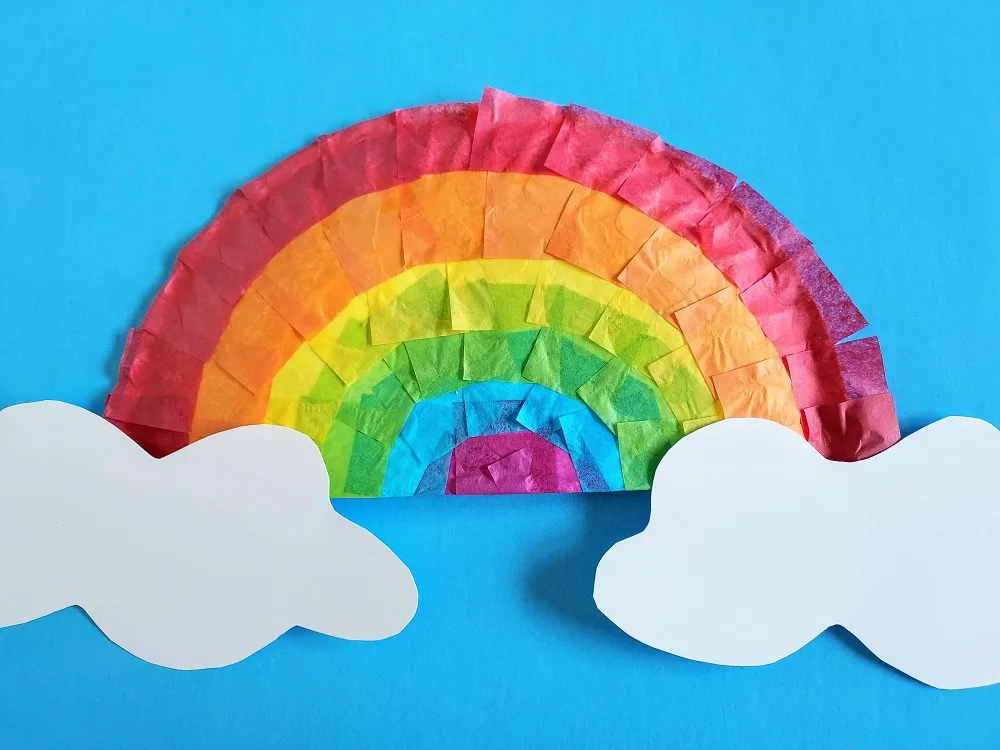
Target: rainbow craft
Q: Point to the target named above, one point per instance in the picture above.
(502, 297)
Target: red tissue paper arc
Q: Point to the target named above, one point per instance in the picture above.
(847, 412)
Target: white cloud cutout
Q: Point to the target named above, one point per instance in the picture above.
(192, 561)
(756, 544)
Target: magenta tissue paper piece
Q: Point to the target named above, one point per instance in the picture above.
(509, 464)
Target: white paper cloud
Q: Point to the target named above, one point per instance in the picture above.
(756, 544)
(192, 561)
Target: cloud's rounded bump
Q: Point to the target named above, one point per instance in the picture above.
(756, 544)
(192, 561)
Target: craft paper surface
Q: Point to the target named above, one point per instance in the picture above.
(599, 233)
(376, 405)
(826, 313)
(752, 391)
(441, 218)
(528, 470)
(435, 478)
(256, 344)
(188, 314)
(434, 139)
(305, 373)
(671, 273)
(356, 462)
(437, 364)
(511, 463)
(831, 375)
(722, 334)
(404, 472)
(436, 427)
(223, 403)
(900, 549)
(569, 299)
(676, 188)
(344, 344)
(143, 395)
(88, 518)
(158, 443)
(398, 360)
(368, 415)
(563, 364)
(596, 150)
(231, 251)
(365, 236)
(521, 214)
(852, 430)
(413, 305)
(632, 330)
(305, 283)
(491, 294)
(436, 240)
(690, 425)
(359, 159)
(513, 134)
(641, 446)
(618, 394)
(543, 407)
(490, 409)
(496, 355)
(412, 312)
(683, 386)
(746, 238)
(594, 451)
(291, 195)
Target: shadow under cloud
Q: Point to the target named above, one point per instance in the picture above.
(854, 644)
(562, 584)
(909, 425)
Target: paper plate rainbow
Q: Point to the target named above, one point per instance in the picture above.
(509, 296)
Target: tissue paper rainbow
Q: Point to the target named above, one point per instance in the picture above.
(509, 296)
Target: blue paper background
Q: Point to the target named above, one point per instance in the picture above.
(872, 125)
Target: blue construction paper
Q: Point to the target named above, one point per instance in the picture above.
(872, 126)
